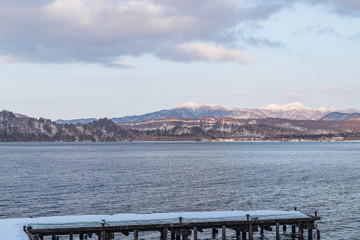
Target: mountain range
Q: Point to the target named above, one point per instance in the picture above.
(20, 128)
(190, 110)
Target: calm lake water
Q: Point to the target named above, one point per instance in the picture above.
(49, 179)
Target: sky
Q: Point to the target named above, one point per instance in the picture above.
(66, 59)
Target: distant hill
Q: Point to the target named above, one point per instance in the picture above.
(338, 116)
(19, 128)
(294, 111)
(250, 129)
(76, 121)
(189, 110)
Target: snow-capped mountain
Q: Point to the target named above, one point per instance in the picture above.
(190, 110)
(195, 106)
(294, 111)
(287, 107)
(187, 110)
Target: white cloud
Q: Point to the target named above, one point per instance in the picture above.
(117, 19)
(205, 52)
(121, 65)
(103, 31)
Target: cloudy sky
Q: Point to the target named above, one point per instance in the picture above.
(112, 58)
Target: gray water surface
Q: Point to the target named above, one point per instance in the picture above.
(49, 179)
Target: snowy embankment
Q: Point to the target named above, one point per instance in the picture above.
(12, 229)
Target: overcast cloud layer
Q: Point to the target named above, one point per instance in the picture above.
(105, 31)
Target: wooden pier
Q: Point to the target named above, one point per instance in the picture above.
(243, 227)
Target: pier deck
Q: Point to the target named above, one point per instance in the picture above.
(177, 226)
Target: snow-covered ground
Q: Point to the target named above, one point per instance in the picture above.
(12, 229)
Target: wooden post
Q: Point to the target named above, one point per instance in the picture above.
(71, 236)
(277, 231)
(310, 234)
(165, 234)
(53, 237)
(243, 235)
(195, 233)
(301, 231)
(214, 232)
(237, 234)
(284, 228)
(136, 235)
(317, 234)
(223, 232)
(251, 234)
(180, 219)
(103, 235)
(261, 231)
(295, 208)
(293, 231)
(316, 214)
(172, 235)
(183, 236)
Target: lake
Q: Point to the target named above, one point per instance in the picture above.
(51, 179)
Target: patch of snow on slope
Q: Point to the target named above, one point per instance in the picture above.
(195, 106)
(272, 107)
(287, 107)
(327, 109)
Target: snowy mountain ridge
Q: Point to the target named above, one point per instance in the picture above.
(270, 107)
(195, 106)
(287, 107)
(191, 110)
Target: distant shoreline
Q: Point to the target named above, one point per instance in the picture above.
(345, 141)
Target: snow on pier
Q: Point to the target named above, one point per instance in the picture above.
(176, 224)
